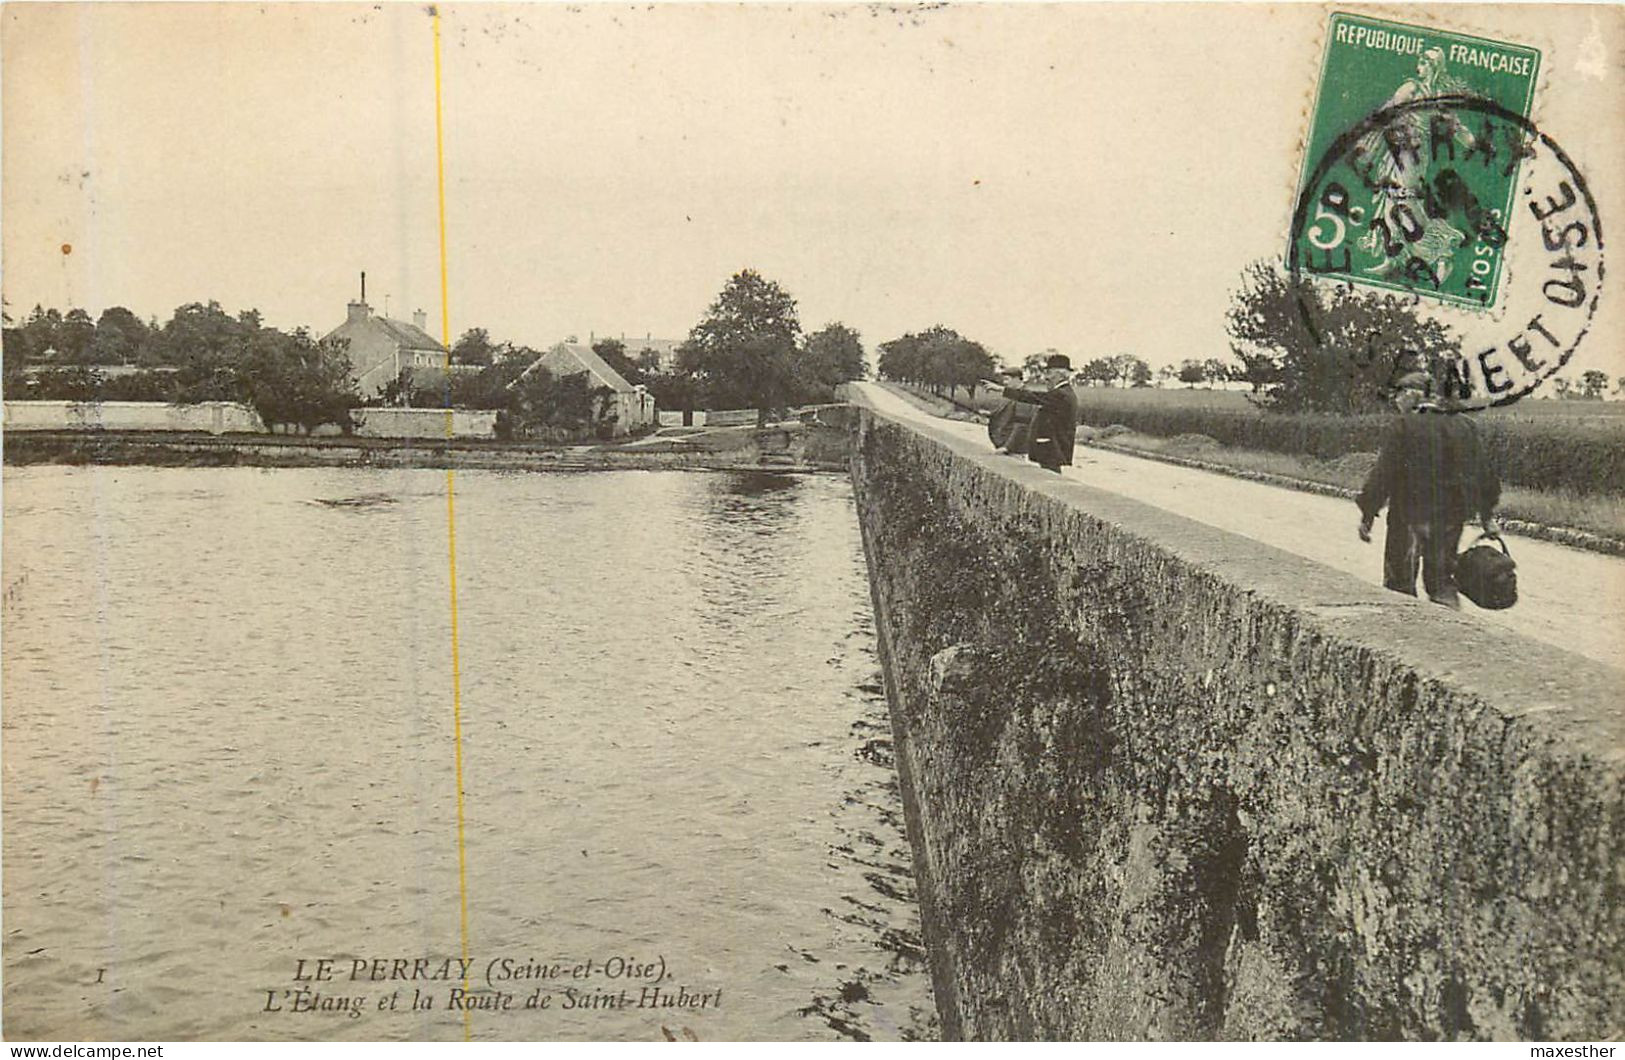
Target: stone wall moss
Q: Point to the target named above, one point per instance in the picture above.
(1149, 801)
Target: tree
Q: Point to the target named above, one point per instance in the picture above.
(1192, 371)
(900, 359)
(119, 336)
(1129, 370)
(474, 347)
(35, 339)
(613, 352)
(199, 331)
(1215, 370)
(740, 351)
(937, 357)
(1167, 374)
(12, 352)
(139, 386)
(1349, 363)
(492, 386)
(828, 357)
(1100, 370)
(78, 382)
(73, 337)
(676, 391)
(293, 379)
(396, 393)
(1593, 383)
(1562, 385)
(965, 362)
(1259, 369)
(542, 404)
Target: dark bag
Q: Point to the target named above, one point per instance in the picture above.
(1001, 423)
(1008, 426)
(1487, 576)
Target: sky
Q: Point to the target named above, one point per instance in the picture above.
(1087, 177)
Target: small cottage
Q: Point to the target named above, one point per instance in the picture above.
(633, 407)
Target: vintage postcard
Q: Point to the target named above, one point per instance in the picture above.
(812, 522)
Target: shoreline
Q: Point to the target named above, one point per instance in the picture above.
(784, 449)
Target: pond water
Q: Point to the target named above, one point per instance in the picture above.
(229, 758)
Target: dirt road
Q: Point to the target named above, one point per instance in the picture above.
(1568, 598)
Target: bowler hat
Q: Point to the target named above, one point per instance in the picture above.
(1058, 360)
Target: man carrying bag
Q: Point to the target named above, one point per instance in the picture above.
(1433, 475)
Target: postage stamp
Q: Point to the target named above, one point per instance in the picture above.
(1423, 197)
(1443, 191)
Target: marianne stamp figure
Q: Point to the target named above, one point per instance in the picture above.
(1392, 158)
(1433, 475)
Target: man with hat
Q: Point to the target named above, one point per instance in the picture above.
(1434, 475)
(1055, 427)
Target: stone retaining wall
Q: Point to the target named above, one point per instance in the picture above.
(1167, 783)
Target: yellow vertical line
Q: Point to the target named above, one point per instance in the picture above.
(451, 525)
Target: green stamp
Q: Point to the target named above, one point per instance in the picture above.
(1414, 169)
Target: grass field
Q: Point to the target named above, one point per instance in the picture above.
(1562, 462)
(1185, 397)
(1600, 514)
(1570, 446)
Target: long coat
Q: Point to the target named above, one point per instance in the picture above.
(1055, 427)
(1432, 469)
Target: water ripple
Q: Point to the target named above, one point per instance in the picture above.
(228, 747)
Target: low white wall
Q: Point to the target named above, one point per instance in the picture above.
(731, 417)
(423, 423)
(214, 417)
(674, 418)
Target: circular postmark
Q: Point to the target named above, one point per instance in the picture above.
(1475, 216)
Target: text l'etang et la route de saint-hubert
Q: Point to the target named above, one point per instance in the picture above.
(351, 986)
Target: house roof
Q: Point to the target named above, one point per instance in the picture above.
(403, 335)
(590, 362)
(409, 336)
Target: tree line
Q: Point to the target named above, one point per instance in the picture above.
(941, 359)
(202, 353)
(748, 350)
(292, 379)
(1365, 341)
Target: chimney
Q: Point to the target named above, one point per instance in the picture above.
(420, 319)
(359, 310)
